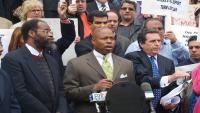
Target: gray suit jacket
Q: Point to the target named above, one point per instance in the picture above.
(83, 72)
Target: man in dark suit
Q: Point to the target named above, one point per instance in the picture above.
(8, 101)
(35, 74)
(78, 10)
(97, 19)
(86, 74)
(100, 5)
(161, 80)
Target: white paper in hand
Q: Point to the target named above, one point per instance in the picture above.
(171, 96)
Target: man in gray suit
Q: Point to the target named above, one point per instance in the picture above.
(86, 74)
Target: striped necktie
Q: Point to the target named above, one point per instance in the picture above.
(103, 6)
(107, 68)
(157, 92)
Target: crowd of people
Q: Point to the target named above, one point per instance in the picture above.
(113, 45)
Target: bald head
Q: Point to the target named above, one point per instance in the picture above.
(101, 30)
(103, 40)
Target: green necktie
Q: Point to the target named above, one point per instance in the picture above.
(107, 68)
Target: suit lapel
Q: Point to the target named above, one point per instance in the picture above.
(92, 62)
(34, 69)
(146, 60)
(160, 65)
(116, 66)
(2, 87)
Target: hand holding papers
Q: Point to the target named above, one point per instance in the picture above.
(172, 97)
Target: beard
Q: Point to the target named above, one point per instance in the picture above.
(40, 42)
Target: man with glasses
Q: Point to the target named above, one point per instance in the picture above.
(36, 74)
(128, 25)
(170, 46)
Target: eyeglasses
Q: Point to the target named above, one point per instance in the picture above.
(46, 31)
(36, 10)
(127, 8)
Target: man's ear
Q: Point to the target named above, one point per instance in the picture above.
(141, 45)
(31, 33)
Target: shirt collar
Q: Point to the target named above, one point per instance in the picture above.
(33, 50)
(99, 55)
(99, 4)
(156, 56)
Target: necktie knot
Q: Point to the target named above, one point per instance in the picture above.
(105, 58)
(103, 6)
(152, 58)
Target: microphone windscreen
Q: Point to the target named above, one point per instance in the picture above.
(146, 86)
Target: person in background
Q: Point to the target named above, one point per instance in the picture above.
(100, 5)
(8, 101)
(97, 19)
(197, 14)
(28, 9)
(189, 96)
(170, 46)
(196, 88)
(113, 22)
(128, 25)
(78, 10)
(194, 51)
(5, 23)
(16, 41)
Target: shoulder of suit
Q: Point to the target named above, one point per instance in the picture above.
(15, 54)
(121, 58)
(134, 53)
(164, 58)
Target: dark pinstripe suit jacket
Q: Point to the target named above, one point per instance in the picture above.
(143, 72)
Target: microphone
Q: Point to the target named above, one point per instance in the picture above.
(146, 87)
(98, 98)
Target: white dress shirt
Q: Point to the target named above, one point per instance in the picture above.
(164, 79)
(33, 50)
(99, 57)
(99, 5)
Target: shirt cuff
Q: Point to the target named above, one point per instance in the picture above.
(164, 81)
